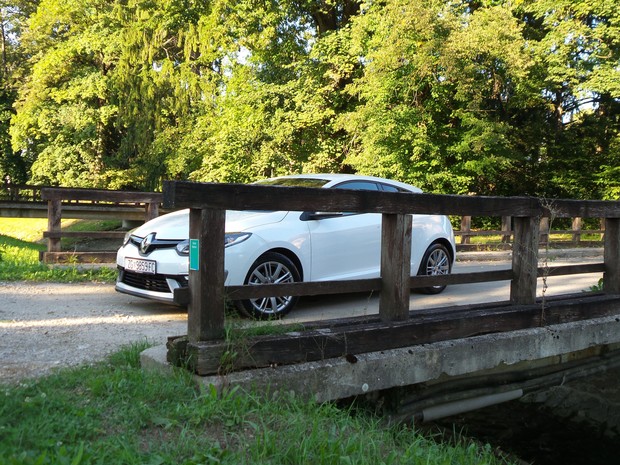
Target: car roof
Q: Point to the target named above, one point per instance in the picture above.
(334, 178)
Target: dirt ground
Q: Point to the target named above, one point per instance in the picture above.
(45, 326)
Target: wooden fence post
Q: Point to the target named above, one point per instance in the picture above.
(465, 229)
(205, 313)
(506, 228)
(611, 276)
(152, 210)
(54, 215)
(525, 260)
(395, 267)
(545, 229)
(576, 226)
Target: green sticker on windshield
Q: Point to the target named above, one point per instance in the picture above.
(194, 257)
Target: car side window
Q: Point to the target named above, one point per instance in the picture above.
(358, 186)
(388, 188)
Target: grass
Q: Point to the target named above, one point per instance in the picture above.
(115, 413)
(20, 244)
(555, 238)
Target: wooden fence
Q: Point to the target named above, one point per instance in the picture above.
(20, 193)
(92, 203)
(546, 233)
(208, 203)
(41, 201)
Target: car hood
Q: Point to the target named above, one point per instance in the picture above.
(176, 225)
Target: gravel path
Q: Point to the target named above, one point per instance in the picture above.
(49, 325)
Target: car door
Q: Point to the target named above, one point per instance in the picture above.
(345, 245)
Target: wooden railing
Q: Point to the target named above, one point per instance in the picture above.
(576, 232)
(104, 205)
(92, 201)
(20, 193)
(208, 203)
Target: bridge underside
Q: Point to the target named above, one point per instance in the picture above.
(436, 377)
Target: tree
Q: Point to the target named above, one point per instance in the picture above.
(440, 89)
(577, 44)
(479, 97)
(65, 110)
(12, 17)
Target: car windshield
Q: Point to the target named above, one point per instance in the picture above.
(294, 182)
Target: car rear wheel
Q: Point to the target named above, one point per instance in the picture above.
(270, 268)
(436, 261)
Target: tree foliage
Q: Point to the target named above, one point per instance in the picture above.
(485, 97)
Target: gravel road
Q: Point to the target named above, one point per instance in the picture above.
(48, 325)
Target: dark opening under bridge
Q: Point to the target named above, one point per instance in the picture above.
(464, 355)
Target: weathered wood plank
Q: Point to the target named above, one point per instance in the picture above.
(348, 287)
(374, 285)
(54, 215)
(304, 288)
(570, 269)
(85, 234)
(100, 195)
(205, 315)
(525, 260)
(183, 194)
(206, 357)
(395, 267)
(611, 278)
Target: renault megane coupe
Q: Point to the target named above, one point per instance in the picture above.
(283, 246)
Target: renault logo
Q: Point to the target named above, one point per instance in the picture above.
(145, 245)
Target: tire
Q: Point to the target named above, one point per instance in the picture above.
(271, 267)
(436, 261)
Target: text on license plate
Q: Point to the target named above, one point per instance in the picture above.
(141, 266)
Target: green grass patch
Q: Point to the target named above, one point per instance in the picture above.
(116, 413)
(25, 229)
(20, 244)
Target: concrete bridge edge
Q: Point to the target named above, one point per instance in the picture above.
(339, 378)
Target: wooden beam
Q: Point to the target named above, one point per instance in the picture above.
(465, 231)
(152, 210)
(374, 284)
(54, 215)
(184, 194)
(395, 267)
(611, 277)
(506, 228)
(85, 234)
(524, 260)
(99, 195)
(205, 314)
(363, 337)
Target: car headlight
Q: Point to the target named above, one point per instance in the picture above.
(235, 238)
(182, 247)
(128, 236)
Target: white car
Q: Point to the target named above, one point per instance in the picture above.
(283, 246)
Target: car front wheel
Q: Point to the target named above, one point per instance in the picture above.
(270, 268)
(436, 261)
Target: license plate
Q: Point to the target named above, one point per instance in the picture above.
(141, 266)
